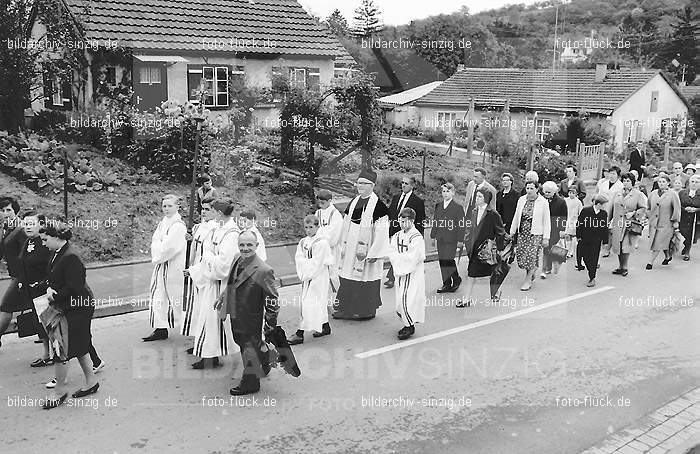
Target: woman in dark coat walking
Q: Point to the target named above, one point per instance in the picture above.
(12, 238)
(70, 297)
(31, 272)
(484, 226)
(690, 205)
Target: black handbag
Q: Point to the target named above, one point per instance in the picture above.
(28, 324)
(635, 227)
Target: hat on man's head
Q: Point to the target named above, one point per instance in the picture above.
(369, 175)
(691, 166)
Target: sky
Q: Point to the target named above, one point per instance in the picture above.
(397, 12)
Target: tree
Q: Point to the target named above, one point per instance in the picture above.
(338, 24)
(16, 64)
(305, 117)
(639, 28)
(359, 97)
(683, 46)
(367, 20)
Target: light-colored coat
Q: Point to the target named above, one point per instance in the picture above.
(622, 204)
(664, 211)
(541, 224)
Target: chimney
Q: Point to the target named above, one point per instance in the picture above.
(601, 70)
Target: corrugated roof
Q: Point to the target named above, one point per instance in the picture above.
(405, 97)
(562, 90)
(185, 25)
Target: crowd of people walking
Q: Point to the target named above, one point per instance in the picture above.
(217, 270)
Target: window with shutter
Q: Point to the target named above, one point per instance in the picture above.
(278, 84)
(626, 132)
(238, 76)
(654, 101)
(313, 79)
(297, 77)
(194, 79)
(67, 94)
(57, 91)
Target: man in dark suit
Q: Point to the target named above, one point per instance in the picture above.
(637, 160)
(572, 180)
(558, 214)
(591, 231)
(407, 199)
(448, 228)
(250, 296)
(479, 182)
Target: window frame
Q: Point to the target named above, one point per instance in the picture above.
(540, 134)
(214, 81)
(57, 90)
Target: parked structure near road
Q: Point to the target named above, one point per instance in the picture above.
(635, 103)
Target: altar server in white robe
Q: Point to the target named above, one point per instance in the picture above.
(168, 249)
(212, 335)
(364, 245)
(331, 226)
(313, 262)
(407, 256)
(200, 232)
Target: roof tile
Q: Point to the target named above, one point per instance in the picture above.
(563, 90)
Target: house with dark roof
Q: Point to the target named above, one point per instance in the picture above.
(635, 103)
(177, 44)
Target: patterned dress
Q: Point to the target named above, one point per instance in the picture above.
(528, 249)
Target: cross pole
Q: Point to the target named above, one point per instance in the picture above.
(199, 118)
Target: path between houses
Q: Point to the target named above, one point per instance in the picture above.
(459, 152)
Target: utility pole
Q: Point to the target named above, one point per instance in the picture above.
(554, 51)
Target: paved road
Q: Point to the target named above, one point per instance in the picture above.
(480, 380)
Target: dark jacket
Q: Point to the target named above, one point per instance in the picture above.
(687, 218)
(66, 275)
(558, 214)
(33, 268)
(11, 242)
(591, 227)
(505, 206)
(448, 224)
(580, 188)
(490, 227)
(250, 296)
(414, 202)
(637, 161)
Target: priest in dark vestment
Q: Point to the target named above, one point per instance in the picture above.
(364, 245)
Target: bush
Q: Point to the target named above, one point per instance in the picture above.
(38, 163)
(46, 120)
(226, 158)
(435, 135)
(163, 155)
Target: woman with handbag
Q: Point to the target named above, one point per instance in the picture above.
(12, 238)
(628, 211)
(664, 218)
(33, 261)
(485, 237)
(71, 307)
(533, 227)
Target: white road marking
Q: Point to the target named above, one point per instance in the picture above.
(488, 321)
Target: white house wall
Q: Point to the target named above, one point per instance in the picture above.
(638, 107)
